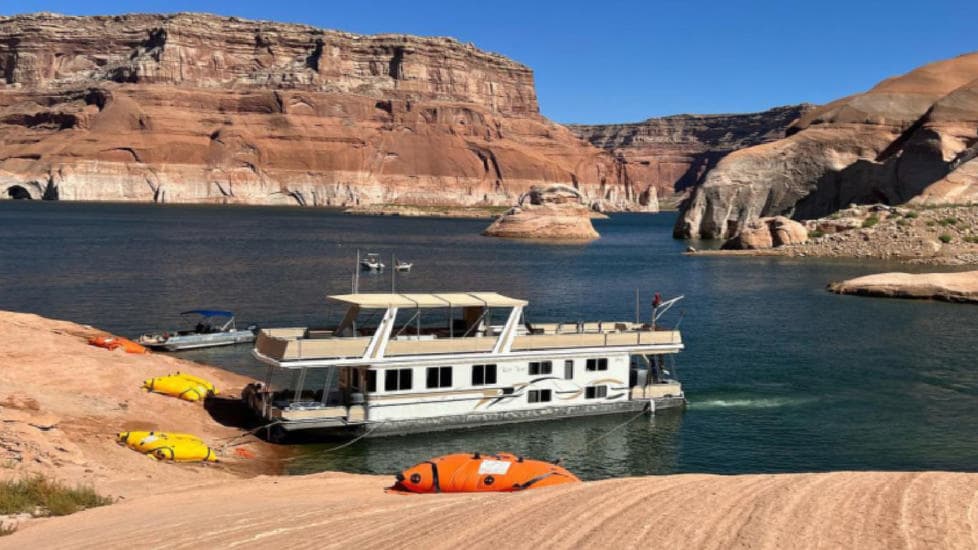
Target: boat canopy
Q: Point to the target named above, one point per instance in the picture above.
(428, 301)
(208, 313)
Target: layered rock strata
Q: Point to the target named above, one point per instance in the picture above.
(672, 154)
(556, 212)
(912, 135)
(201, 108)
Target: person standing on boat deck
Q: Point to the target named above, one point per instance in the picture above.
(655, 370)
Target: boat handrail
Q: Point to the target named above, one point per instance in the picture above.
(297, 348)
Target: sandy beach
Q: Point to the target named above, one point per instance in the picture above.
(330, 510)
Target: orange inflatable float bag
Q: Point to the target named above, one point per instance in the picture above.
(110, 343)
(105, 341)
(131, 347)
(472, 473)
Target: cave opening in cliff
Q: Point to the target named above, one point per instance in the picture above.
(17, 192)
(396, 65)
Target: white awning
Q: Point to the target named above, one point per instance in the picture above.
(428, 301)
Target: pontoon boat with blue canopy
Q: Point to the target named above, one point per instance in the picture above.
(214, 327)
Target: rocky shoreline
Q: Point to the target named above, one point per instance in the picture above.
(946, 235)
(409, 211)
(63, 401)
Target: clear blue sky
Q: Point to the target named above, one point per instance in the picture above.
(608, 61)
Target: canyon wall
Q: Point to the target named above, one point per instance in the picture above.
(200, 108)
(910, 138)
(674, 153)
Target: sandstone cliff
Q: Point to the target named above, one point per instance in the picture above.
(887, 145)
(201, 108)
(674, 153)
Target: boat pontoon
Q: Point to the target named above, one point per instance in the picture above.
(401, 363)
(213, 328)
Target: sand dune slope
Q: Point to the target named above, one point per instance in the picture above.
(834, 510)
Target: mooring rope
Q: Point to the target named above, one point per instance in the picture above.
(344, 445)
(590, 442)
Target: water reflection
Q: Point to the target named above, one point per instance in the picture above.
(592, 448)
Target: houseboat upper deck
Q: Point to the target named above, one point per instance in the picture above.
(349, 344)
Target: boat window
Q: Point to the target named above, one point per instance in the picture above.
(569, 369)
(508, 391)
(397, 379)
(538, 396)
(483, 375)
(595, 392)
(371, 380)
(597, 364)
(439, 377)
(541, 367)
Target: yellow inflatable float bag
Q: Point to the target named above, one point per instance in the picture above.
(206, 384)
(185, 450)
(176, 386)
(147, 442)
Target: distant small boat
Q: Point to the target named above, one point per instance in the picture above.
(371, 262)
(214, 328)
(403, 266)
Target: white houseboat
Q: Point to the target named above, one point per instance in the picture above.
(436, 361)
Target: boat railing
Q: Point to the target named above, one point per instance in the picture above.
(289, 344)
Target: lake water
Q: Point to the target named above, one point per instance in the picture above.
(781, 376)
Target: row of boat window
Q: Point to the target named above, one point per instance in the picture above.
(538, 368)
(542, 396)
(482, 375)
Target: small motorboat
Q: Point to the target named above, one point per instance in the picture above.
(213, 328)
(400, 265)
(371, 262)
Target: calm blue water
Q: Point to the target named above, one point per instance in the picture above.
(781, 375)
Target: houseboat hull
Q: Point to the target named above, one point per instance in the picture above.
(670, 398)
(477, 420)
(341, 428)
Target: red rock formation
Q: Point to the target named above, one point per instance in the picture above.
(200, 108)
(887, 145)
(555, 212)
(765, 233)
(674, 153)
